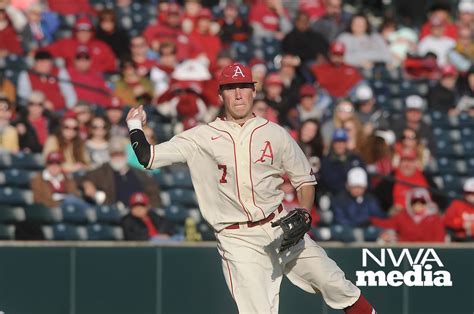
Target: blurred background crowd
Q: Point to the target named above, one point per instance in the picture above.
(379, 95)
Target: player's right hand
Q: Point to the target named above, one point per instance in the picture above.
(137, 114)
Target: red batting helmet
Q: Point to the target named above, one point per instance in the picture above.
(235, 74)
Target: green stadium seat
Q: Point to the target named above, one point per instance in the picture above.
(371, 233)
(27, 161)
(185, 197)
(16, 177)
(342, 233)
(77, 214)
(99, 232)
(7, 232)
(12, 215)
(176, 213)
(206, 231)
(15, 196)
(64, 232)
(39, 213)
(107, 214)
(321, 233)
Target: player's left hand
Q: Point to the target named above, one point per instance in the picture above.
(294, 225)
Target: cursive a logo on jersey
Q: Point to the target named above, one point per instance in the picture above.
(427, 269)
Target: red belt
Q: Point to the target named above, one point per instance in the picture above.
(252, 224)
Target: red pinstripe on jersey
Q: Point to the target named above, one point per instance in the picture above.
(250, 166)
(249, 216)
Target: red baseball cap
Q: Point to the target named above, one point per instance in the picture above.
(115, 103)
(205, 14)
(55, 158)
(337, 48)
(307, 90)
(235, 74)
(408, 154)
(83, 24)
(139, 198)
(273, 79)
(449, 70)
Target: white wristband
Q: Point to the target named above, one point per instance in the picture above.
(134, 124)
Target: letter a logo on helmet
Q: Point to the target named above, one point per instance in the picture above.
(238, 71)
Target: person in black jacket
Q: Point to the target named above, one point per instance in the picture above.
(143, 224)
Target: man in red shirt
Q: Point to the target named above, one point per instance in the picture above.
(459, 216)
(202, 35)
(102, 56)
(269, 19)
(88, 83)
(335, 76)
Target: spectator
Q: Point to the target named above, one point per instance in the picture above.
(110, 33)
(335, 76)
(364, 48)
(40, 29)
(459, 216)
(269, 19)
(8, 134)
(392, 192)
(402, 41)
(466, 90)
(442, 14)
(409, 141)
(436, 42)
(343, 111)
(114, 114)
(315, 9)
(66, 140)
(160, 74)
(443, 97)
(7, 88)
(70, 7)
(418, 222)
(52, 187)
(132, 89)
(89, 85)
(115, 181)
(259, 72)
(84, 116)
(336, 164)
(466, 15)
(377, 155)
(102, 57)
(334, 22)
(34, 124)
(192, 8)
(139, 49)
(143, 224)
(9, 39)
(232, 27)
(355, 133)
(310, 141)
(262, 109)
(414, 106)
(312, 105)
(273, 93)
(53, 82)
(465, 44)
(371, 116)
(205, 37)
(304, 42)
(97, 144)
(354, 206)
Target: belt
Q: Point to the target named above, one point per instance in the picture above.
(252, 224)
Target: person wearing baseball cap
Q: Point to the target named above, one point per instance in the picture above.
(459, 216)
(354, 206)
(102, 56)
(335, 76)
(367, 110)
(142, 223)
(443, 96)
(437, 41)
(312, 105)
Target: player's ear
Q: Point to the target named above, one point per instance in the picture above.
(254, 92)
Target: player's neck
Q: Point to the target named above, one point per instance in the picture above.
(241, 121)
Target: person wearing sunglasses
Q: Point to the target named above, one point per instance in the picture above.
(459, 216)
(97, 143)
(67, 140)
(419, 222)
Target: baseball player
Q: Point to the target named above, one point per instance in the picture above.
(237, 163)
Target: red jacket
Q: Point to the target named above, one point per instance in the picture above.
(50, 88)
(209, 44)
(9, 40)
(103, 58)
(65, 7)
(337, 80)
(457, 214)
(450, 30)
(429, 229)
(92, 79)
(266, 17)
(400, 190)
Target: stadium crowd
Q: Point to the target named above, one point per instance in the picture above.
(379, 96)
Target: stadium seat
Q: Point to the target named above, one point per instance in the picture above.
(176, 213)
(5, 160)
(371, 233)
(100, 232)
(164, 179)
(41, 214)
(64, 232)
(27, 161)
(185, 197)
(206, 231)
(15, 196)
(107, 214)
(16, 177)
(321, 233)
(11, 214)
(165, 198)
(77, 214)
(7, 232)
(342, 233)
(182, 178)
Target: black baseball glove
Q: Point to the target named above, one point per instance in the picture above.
(294, 226)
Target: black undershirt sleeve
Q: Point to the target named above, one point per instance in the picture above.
(140, 146)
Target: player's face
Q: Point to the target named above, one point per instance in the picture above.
(238, 101)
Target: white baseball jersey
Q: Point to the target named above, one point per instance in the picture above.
(236, 170)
